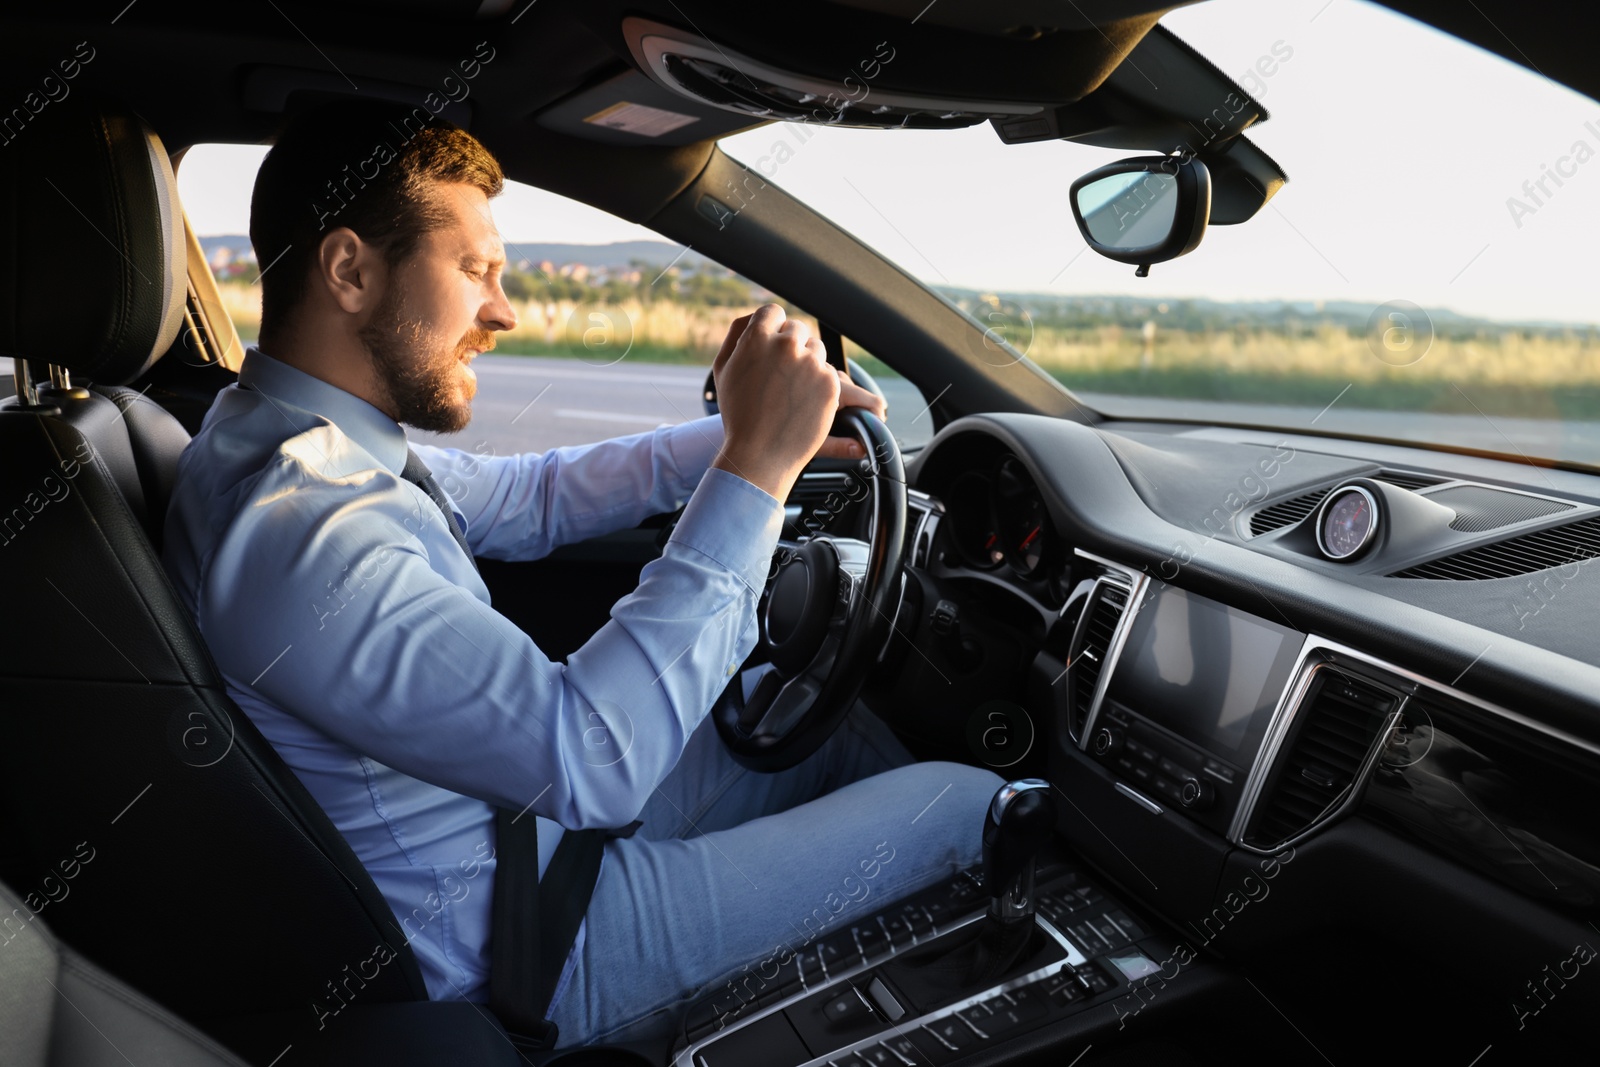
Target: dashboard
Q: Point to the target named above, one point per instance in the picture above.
(1227, 644)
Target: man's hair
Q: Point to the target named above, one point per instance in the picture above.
(358, 164)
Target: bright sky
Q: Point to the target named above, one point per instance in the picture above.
(1402, 147)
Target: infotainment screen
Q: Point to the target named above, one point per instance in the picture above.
(1209, 673)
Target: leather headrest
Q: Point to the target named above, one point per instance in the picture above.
(93, 264)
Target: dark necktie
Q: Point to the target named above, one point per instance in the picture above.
(417, 473)
(523, 971)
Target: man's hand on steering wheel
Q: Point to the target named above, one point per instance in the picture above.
(831, 600)
(778, 398)
(852, 395)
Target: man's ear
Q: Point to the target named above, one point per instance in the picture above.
(350, 270)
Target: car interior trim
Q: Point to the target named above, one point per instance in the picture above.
(1134, 583)
(689, 1055)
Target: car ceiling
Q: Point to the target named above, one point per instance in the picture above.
(234, 68)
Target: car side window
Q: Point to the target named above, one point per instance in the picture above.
(616, 326)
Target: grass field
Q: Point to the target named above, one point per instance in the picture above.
(1543, 374)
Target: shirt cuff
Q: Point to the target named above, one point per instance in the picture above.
(693, 445)
(735, 523)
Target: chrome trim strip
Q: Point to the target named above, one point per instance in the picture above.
(1331, 658)
(1591, 747)
(1137, 581)
(1138, 798)
(686, 1056)
(1277, 728)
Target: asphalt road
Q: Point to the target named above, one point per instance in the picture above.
(528, 403)
(1547, 438)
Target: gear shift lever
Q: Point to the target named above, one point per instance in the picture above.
(1019, 822)
(1021, 819)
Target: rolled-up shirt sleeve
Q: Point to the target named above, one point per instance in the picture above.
(521, 507)
(322, 600)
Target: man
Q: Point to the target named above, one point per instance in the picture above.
(350, 623)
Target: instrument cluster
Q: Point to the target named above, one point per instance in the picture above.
(997, 522)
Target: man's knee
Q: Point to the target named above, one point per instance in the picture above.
(962, 790)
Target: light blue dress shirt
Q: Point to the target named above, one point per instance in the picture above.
(357, 636)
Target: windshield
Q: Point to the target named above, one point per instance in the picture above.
(1426, 274)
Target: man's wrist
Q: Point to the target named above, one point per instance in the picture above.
(770, 478)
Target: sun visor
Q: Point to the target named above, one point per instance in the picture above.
(1166, 97)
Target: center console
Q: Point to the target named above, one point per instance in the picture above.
(853, 998)
(1190, 700)
(1254, 731)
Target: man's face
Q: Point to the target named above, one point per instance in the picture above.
(439, 310)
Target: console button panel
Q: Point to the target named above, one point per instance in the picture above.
(840, 1000)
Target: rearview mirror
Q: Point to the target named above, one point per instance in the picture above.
(1144, 210)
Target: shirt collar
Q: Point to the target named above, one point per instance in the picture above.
(358, 420)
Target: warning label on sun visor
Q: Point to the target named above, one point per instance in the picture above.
(639, 119)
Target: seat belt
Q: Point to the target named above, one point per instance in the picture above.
(526, 955)
(536, 920)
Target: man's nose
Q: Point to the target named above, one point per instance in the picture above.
(499, 314)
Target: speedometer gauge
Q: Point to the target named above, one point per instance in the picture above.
(1020, 514)
(1347, 522)
(972, 523)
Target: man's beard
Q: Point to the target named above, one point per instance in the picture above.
(422, 377)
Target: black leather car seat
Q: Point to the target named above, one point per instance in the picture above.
(218, 886)
(58, 1008)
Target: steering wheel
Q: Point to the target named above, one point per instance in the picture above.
(825, 617)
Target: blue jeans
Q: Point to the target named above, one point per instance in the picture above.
(732, 868)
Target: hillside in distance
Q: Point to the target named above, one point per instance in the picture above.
(615, 256)
(1053, 309)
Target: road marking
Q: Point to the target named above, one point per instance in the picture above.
(590, 415)
(692, 376)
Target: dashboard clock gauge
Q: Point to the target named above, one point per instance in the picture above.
(1347, 522)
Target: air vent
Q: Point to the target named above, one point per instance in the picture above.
(1479, 508)
(1409, 479)
(1088, 655)
(1339, 722)
(1558, 546)
(1286, 512)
